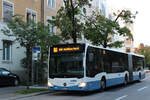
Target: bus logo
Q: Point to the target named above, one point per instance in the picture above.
(65, 84)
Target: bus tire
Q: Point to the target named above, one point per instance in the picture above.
(126, 79)
(140, 77)
(103, 84)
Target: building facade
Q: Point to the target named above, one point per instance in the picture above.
(127, 43)
(99, 5)
(11, 52)
(50, 8)
(96, 6)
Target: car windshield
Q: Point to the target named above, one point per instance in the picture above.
(66, 66)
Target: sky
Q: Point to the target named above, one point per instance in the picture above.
(142, 21)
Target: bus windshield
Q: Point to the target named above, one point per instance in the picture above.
(66, 66)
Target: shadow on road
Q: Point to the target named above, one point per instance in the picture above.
(6, 86)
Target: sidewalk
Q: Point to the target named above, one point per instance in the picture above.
(28, 95)
(14, 96)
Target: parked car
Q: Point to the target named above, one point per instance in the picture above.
(8, 78)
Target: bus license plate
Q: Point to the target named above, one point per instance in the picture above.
(65, 89)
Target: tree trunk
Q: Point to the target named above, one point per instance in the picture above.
(119, 15)
(41, 64)
(28, 66)
(105, 44)
(29, 62)
(74, 35)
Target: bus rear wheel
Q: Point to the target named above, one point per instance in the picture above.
(126, 80)
(103, 84)
(140, 77)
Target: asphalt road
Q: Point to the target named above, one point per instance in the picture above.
(8, 92)
(134, 91)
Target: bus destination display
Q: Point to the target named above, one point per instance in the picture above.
(66, 49)
(56, 49)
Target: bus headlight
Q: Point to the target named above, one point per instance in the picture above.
(82, 84)
(50, 84)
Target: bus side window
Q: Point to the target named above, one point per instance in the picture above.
(93, 62)
(89, 64)
(137, 63)
(91, 57)
(107, 62)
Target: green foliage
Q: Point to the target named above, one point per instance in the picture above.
(126, 16)
(30, 34)
(146, 52)
(101, 30)
(68, 19)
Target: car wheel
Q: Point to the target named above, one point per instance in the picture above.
(16, 82)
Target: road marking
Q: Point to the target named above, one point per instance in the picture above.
(142, 88)
(122, 97)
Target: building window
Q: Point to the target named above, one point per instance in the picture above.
(63, 3)
(34, 16)
(52, 28)
(51, 3)
(7, 11)
(31, 15)
(7, 50)
(48, 3)
(28, 17)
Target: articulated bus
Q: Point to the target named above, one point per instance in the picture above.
(84, 67)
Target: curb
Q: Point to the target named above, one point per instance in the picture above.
(38, 87)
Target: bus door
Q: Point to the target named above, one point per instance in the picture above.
(130, 68)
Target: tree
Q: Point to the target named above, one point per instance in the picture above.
(68, 19)
(29, 34)
(146, 52)
(101, 30)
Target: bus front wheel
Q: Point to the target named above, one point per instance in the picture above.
(103, 84)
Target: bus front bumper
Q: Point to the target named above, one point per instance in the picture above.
(90, 86)
(71, 88)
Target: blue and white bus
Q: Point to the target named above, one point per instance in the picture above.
(84, 67)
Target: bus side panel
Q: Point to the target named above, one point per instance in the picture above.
(135, 76)
(94, 85)
(115, 81)
(118, 78)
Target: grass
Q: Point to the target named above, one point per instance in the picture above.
(29, 91)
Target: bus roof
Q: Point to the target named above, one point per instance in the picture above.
(115, 50)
